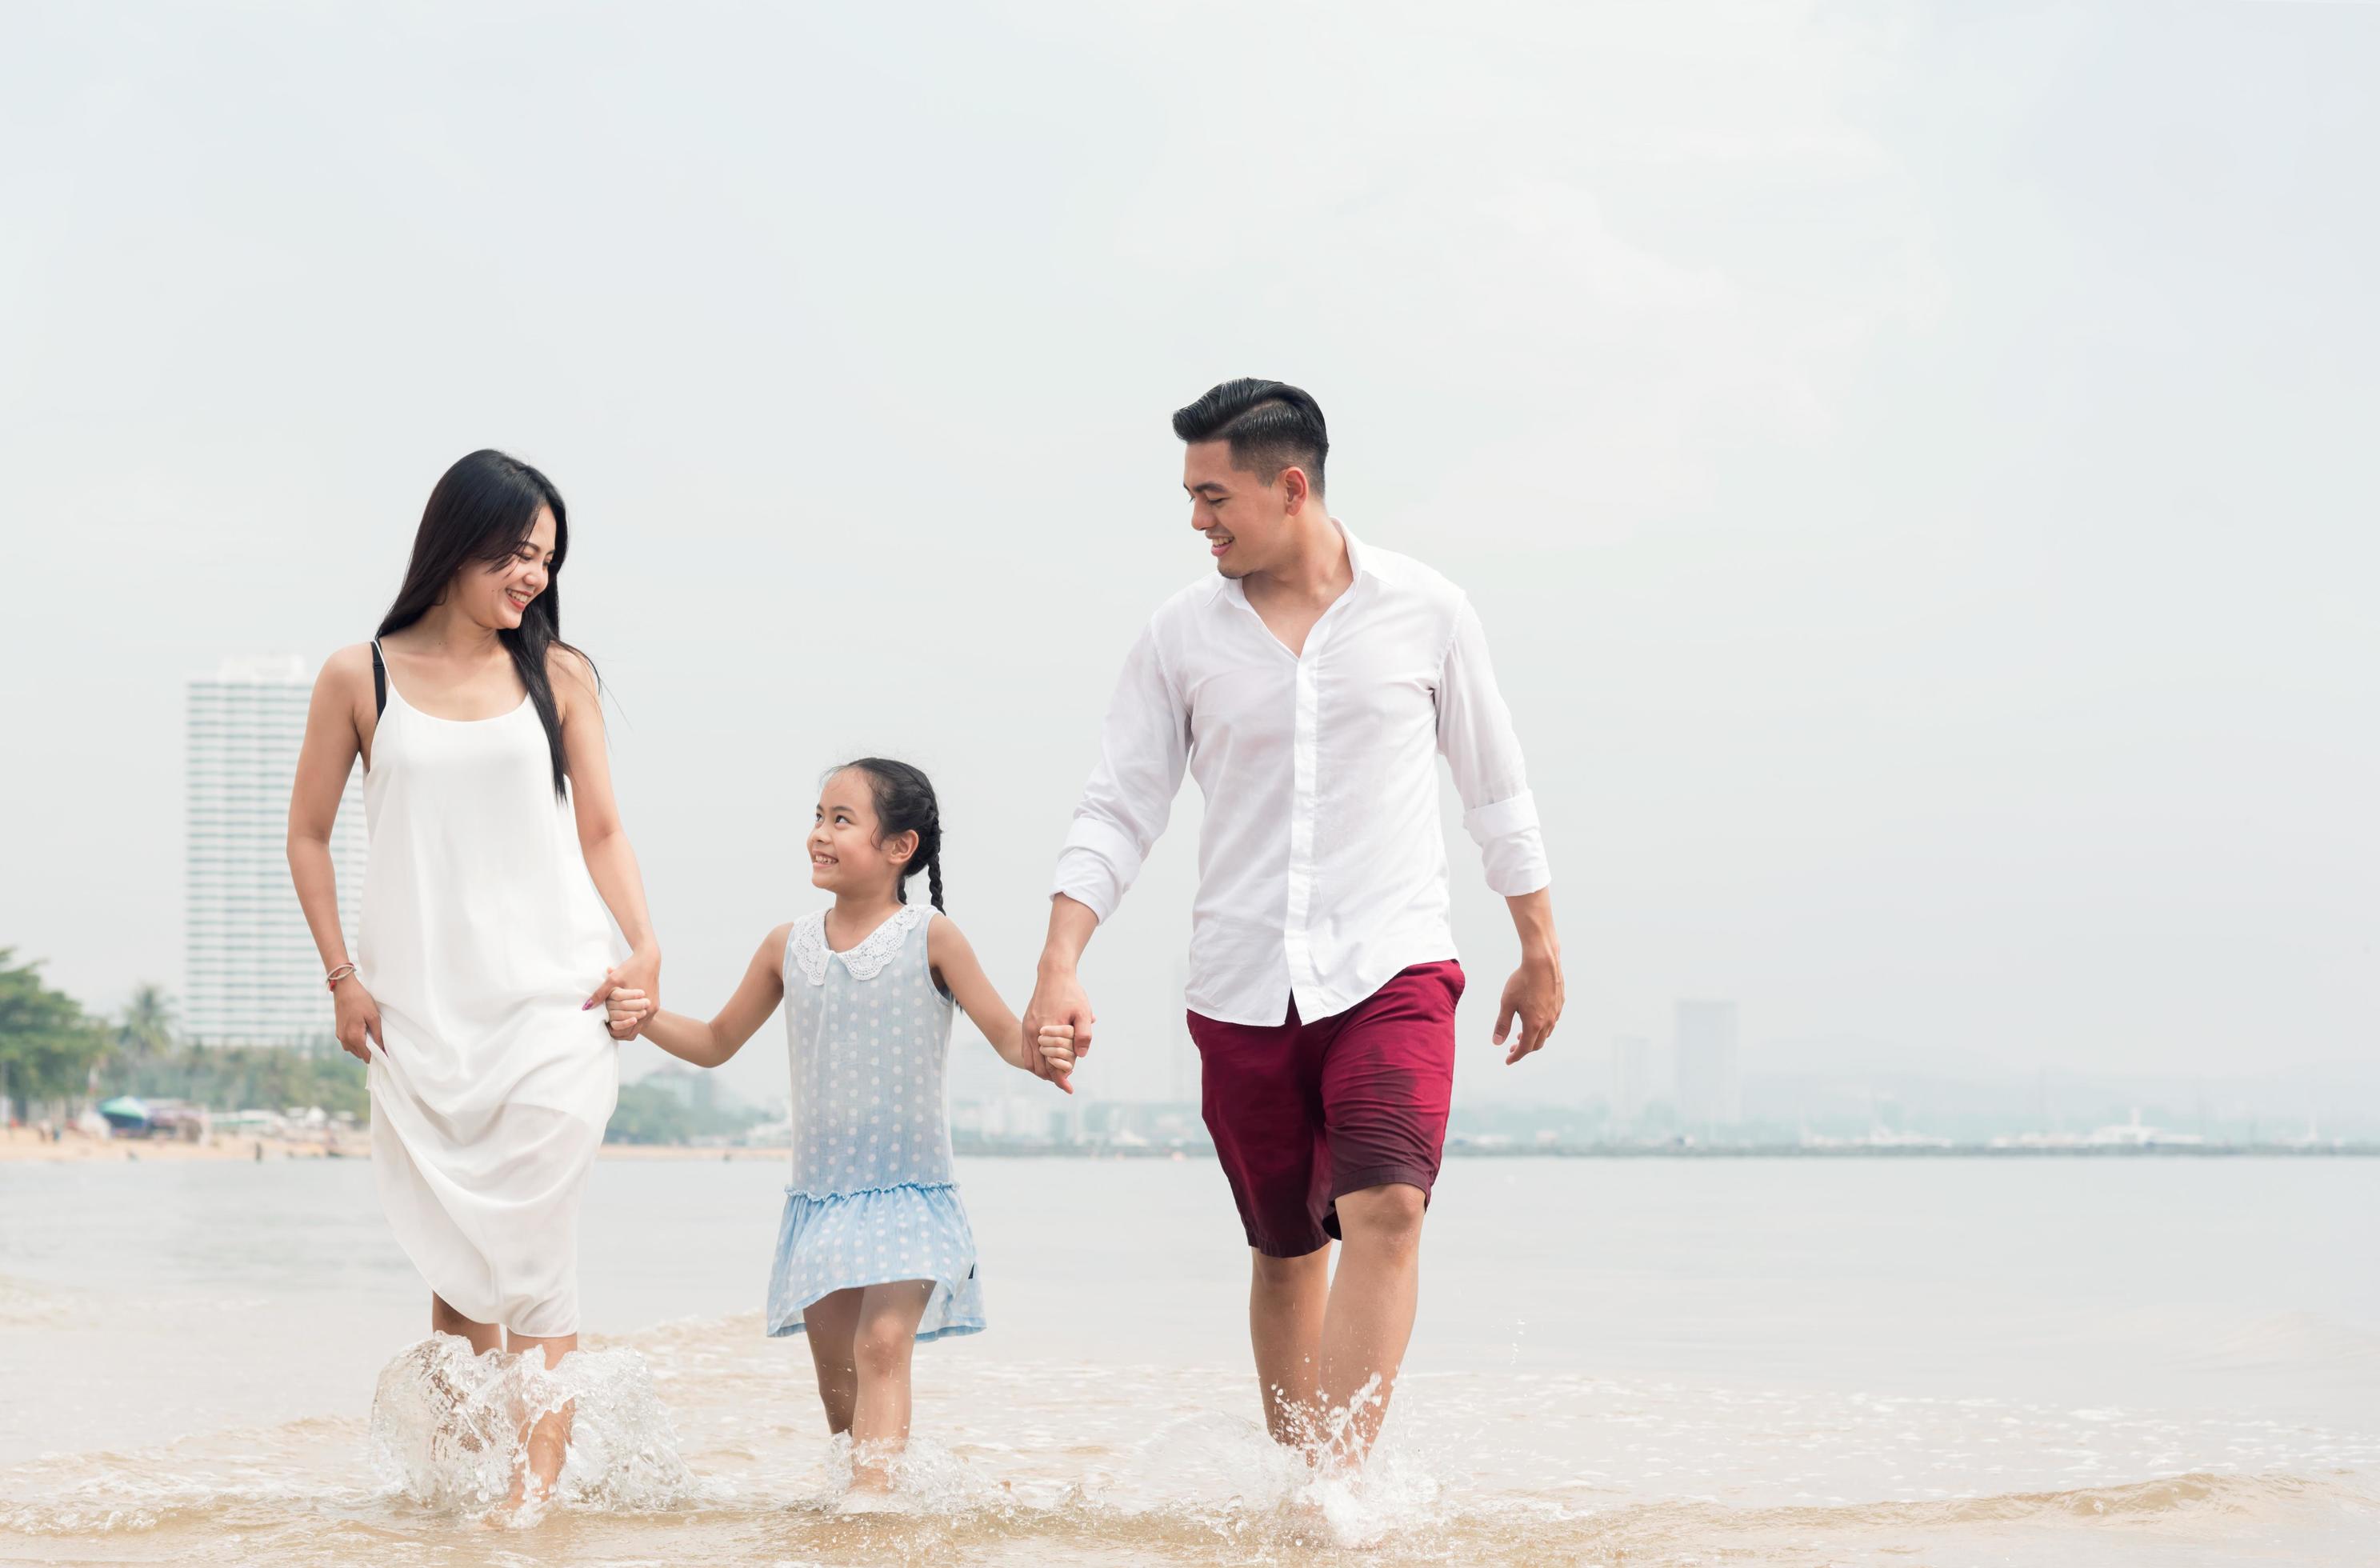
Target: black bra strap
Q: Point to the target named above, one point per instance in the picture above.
(380, 682)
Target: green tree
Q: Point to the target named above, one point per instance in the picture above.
(146, 1030)
(647, 1114)
(48, 1046)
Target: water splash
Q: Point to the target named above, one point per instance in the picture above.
(447, 1425)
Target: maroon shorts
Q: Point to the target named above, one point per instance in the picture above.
(1302, 1113)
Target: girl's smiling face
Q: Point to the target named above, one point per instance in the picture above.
(845, 858)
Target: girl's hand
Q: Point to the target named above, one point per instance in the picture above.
(629, 1009)
(643, 972)
(1056, 1045)
(357, 1020)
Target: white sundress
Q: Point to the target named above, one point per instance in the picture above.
(482, 935)
(872, 1199)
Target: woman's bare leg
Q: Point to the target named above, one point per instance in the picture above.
(882, 1342)
(444, 1320)
(829, 1323)
(547, 1444)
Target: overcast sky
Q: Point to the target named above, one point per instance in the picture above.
(1904, 457)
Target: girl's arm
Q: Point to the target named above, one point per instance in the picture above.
(601, 838)
(324, 759)
(707, 1045)
(955, 966)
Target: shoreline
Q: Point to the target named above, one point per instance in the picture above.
(26, 1145)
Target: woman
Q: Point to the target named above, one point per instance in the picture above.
(483, 946)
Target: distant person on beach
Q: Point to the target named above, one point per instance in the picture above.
(1310, 685)
(495, 850)
(874, 1252)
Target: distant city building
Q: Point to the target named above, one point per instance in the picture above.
(1710, 1079)
(1631, 1077)
(251, 972)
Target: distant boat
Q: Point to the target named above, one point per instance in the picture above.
(124, 1114)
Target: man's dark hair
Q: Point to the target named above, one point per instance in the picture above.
(1271, 424)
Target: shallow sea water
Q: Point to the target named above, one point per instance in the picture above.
(1790, 1362)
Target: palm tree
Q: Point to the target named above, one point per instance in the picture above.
(146, 1031)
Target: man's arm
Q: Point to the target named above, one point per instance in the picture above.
(1058, 996)
(1475, 731)
(1144, 748)
(1535, 993)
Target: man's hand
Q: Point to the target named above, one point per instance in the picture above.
(1057, 1006)
(1535, 995)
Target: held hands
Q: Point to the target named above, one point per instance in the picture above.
(629, 1011)
(358, 1019)
(640, 977)
(1054, 1055)
(1535, 993)
(1059, 1007)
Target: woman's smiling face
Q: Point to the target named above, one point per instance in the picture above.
(497, 594)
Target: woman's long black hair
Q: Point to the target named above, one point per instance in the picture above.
(905, 803)
(483, 507)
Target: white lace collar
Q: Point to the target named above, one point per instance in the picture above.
(868, 959)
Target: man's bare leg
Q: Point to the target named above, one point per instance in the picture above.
(1369, 1321)
(1286, 1301)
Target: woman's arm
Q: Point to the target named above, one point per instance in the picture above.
(707, 1045)
(954, 965)
(324, 759)
(610, 860)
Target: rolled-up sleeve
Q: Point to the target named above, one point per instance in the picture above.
(1144, 747)
(1474, 733)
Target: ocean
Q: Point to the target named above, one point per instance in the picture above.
(1938, 1361)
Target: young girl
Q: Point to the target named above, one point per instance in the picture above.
(875, 1252)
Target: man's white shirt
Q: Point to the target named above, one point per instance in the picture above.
(1321, 866)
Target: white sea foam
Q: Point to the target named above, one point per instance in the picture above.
(448, 1427)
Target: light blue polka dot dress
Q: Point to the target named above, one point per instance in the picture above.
(872, 1197)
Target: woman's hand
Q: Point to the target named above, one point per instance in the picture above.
(642, 974)
(1056, 1048)
(358, 1019)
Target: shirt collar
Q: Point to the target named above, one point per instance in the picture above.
(1231, 587)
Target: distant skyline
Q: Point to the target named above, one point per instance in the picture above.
(1905, 460)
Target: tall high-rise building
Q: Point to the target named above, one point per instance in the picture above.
(1631, 1077)
(251, 972)
(1710, 1081)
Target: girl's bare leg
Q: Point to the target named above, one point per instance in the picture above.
(829, 1324)
(881, 1343)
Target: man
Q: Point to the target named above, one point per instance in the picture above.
(1310, 687)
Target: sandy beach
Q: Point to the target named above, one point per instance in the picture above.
(27, 1144)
